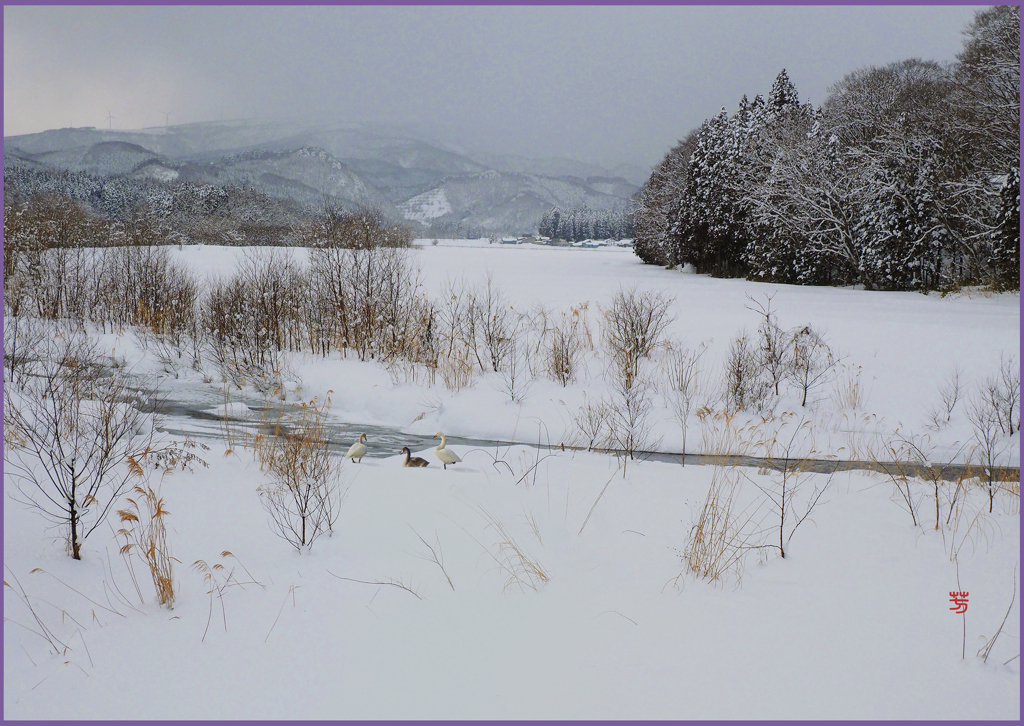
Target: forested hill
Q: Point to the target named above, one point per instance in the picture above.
(906, 178)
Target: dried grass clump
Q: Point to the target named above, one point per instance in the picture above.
(146, 536)
(723, 435)
(717, 545)
(520, 567)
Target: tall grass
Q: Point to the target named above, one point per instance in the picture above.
(145, 533)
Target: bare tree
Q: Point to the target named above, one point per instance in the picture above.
(773, 354)
(813, 361)
(303, 499)
(71, 435)
(789, 458)
(984, 416)
(685, 385)
(635, 322)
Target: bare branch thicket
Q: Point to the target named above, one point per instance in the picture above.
(23, 342)
(687, 384)
(514, 373)
(364, 294)
(425, 344)
(70, 434)
(240, 351)
(1009, 394)
(593, 423)
(813, 362)
(303, 498)
(773, 353)
(904, 455)
(277, 283)
(918, 452)
(950, 393)
(744, 384)
(536, 332)
(630, 408)
(634, 323)
(984, 416)
(457, 335)
(498, 325)
(567, 339)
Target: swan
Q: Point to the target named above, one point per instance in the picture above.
(358, 450)
(414, 460)
(447, 456)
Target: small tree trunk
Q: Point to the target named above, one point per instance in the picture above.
(76, 551)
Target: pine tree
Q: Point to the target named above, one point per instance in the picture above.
(1005, 258)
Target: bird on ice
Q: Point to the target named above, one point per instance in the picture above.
(446, 456)
(412, 460)
(357, 450)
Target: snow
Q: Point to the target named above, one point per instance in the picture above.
(427, 206)
(235, 409)
(853, 623)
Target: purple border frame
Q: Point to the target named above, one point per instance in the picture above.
(472, 3)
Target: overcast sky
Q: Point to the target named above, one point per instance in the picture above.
(606, 85)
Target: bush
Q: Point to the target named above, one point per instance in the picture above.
(303, 499)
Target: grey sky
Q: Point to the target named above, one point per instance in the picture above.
(602, 84)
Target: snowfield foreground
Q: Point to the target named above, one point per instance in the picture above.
(553, 583)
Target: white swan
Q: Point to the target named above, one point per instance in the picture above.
(412, 460)
(447, 456)
(358, 450)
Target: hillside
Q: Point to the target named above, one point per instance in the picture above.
(356, 165)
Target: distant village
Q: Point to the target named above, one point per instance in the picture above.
(559, 242)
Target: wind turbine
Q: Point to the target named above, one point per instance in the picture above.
(110, 120)
(167, 117)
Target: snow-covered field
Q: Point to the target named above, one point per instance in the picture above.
(563, 593)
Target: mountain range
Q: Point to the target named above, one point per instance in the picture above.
(435, 186)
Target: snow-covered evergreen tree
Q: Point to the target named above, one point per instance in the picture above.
(1005, 257)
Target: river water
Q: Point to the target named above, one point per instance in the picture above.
(197, 416)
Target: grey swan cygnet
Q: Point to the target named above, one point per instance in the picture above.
(447, 456)
(412, 460)
(357, 451)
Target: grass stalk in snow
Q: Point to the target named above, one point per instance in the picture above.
(393, 582)
(436, 555)
(848, 393)
(146, 536)
(601, 494)
(986, 649)
(521, 568)
(719, 539)
(43, 631)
